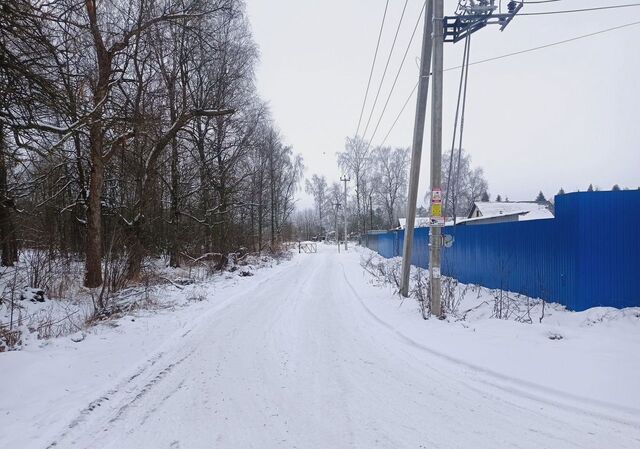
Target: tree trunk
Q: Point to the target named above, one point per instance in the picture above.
(7, 228)
(93, 265)
(136, 251)
(223, 244)
(174, 250)
(272, 197)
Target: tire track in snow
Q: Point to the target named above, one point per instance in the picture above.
(521, 388)
(172, 346)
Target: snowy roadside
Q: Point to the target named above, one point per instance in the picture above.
(48, 383)
(579, 359)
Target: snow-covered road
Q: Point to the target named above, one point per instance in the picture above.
(298, 360)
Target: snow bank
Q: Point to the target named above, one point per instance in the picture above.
(587, 357)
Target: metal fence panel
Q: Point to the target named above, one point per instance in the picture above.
(589, 255)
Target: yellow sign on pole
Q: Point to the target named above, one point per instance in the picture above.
(436, 210)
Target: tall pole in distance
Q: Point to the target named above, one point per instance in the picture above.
(370, 213)
(416, 149)
(435, 240)
(344, 209)
(337, 206)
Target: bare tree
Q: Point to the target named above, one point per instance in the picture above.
(391, 174)
(355, 160)
(466, 185)
(317, 187)
(136, 123)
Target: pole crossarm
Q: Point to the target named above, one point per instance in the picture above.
(469, 19)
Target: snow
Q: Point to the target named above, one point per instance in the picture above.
(525, 210)
(315, 353)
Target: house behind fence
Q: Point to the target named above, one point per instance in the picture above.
(587, 256)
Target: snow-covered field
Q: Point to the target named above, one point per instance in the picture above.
(316, 353)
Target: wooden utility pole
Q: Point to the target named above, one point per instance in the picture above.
(416, 149)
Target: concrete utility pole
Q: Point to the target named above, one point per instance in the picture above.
(437, 221)
(344, 209)
(416, 149)
(337, 206)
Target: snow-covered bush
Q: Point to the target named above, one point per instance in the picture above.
(459, 301)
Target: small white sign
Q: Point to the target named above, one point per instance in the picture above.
(436, 272)
(436, 222)
(436, 196)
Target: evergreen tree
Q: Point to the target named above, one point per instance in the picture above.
(615, 188)
(590, 189)
(485, 197)
(561, 191)
(540, 198)
(498, 198)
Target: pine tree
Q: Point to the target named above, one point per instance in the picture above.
(590, 189)
(498, 198)
(485, 197)
(560, 192)
(615, 188)
(540, 198)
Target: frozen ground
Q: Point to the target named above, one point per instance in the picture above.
(314, 354)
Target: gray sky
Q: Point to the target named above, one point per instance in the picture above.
(560, 117)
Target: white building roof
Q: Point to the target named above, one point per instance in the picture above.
(421, 222)
(525, 210)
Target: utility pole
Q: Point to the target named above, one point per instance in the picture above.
(416, 149)
(337, 206)
(470, 17)
(370, 213)
(345, 179)
(437, 221)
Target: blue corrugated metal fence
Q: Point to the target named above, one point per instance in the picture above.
(589, 255)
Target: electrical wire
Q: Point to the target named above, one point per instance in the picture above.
(384, 73)
(395, 81)
(464, 108)
(463, 77)
(404, 106)
(508, 55)
(569, 11)
(373, 64)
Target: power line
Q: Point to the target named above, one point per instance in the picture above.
(507, 55)
(384, 73)
(569, 11)
(373, 64)
(462, 97)
(404, 57)
(404, 106)
(553, 44)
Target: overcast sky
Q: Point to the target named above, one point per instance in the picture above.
(564, 116)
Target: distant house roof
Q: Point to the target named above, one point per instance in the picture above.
(524, 210)
(421, 222)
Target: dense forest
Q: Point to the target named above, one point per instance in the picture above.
(131, 129)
